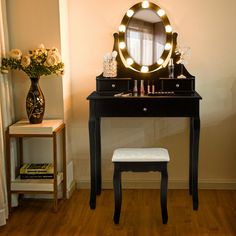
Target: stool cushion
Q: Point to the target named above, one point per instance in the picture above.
(140, 155)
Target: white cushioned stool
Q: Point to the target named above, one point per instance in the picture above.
(140, 160)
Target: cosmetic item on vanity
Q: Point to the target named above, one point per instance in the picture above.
(135, 89)
(171, 68)
(142, 90)
(161, 93)
(153, 87)
(122, 94)
(148, 88)
(110, 65)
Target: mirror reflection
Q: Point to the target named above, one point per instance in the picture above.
(145, 37)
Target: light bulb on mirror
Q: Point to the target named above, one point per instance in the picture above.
(144, 69)
(160, 61)
(168, 29)
(122, 45)
(122, 28)
(145, 4)
(161, 12)
(130, 13)
(168, 46)
(129, 61)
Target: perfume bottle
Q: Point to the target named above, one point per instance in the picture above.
(148, 88)
(171, 68)
(142, 90)
(135, 89)
(153, 87)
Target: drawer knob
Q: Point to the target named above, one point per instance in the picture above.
(113, 85)
(177, 85)
(145, 109)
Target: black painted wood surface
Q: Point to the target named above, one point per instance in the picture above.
(146, 106)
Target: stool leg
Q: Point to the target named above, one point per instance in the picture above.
(117, 193)
(164, 186)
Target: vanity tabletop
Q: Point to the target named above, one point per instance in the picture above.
(96, 96)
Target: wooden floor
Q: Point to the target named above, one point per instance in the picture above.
(140, 215)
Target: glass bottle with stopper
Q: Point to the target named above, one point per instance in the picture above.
(135, 89)
(171, 68)
(142, 90)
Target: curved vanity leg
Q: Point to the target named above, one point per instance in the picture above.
(95, 154)
(196, 134)
(191, 154)
(117, 193)
(98, 156)
(164, 187)
(92, 163)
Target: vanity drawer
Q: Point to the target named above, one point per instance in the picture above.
(177, 85)
(113, 85)
(149, 107)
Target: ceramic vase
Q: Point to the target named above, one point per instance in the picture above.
(35, 103)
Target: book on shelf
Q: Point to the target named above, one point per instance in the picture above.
(36, 176)
(37, 171)
(19, 184)
(37, 168)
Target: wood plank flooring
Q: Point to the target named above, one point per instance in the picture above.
(140, 215)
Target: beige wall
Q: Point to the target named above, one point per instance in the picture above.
(208, 28)
(30, 23)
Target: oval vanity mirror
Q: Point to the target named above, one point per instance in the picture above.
(145, 37)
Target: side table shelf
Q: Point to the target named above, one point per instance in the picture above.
(48, 129)
(29, 185)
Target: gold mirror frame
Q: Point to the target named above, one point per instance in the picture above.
(126, 58)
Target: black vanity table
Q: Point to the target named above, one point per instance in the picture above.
(176, 98)
(145, 106)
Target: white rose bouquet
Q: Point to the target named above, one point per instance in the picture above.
(38, 62)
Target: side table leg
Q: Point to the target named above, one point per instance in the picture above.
(55, 170)
(64, 164)
(8, 169)
(20, 163)
(21, 150)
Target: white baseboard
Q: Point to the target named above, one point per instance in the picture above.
(71, 189)
(172, 184)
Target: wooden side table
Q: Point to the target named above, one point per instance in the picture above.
(48, 129)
